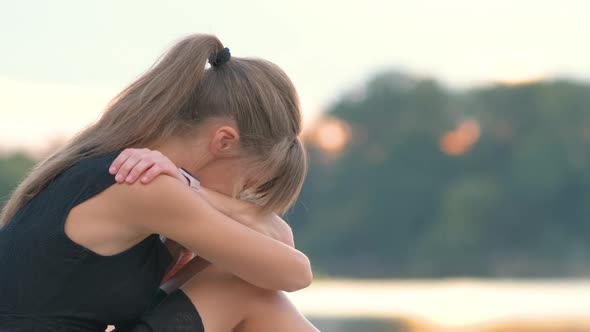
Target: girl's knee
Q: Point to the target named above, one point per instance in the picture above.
(267, 299)
(273, 311)
(226, 302)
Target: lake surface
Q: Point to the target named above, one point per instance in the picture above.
(451, 304)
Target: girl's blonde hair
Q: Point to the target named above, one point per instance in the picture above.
(173, 97)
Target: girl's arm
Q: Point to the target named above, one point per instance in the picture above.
(166, 206)
(133, 164)
(275, 228)
(147, 164)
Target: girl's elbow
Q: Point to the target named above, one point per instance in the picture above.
(302, 276)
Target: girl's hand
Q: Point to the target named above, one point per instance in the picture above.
(132, 164)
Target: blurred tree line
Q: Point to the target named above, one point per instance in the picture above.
(13, 168)
(489, 181)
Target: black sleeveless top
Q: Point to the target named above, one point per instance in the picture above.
(50, 283)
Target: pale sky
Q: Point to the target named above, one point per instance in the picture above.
(61, 61)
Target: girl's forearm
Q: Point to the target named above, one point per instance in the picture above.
(262, 261)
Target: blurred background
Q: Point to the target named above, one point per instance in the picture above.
(449, 141)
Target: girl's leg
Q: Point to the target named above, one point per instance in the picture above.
(275, 312)
(227, 303)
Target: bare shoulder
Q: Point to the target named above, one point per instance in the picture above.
(158, 188)
(146, 205)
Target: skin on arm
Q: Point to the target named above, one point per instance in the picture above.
(272, 226)
(167, 207)
(269, 224)
(145, 164)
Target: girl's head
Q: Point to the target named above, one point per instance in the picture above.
(179, 94)
(176, 97)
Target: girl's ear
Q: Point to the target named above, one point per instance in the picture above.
(225, 142)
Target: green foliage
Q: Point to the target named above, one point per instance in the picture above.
(13, 168)
(393, 204)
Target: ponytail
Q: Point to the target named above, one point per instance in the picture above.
(176, 94)
(146, 112)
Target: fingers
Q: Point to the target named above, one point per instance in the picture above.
(164, 167)
(127, 166)
(139, 169)
(118, 162)
(146, 164)
(151, 173)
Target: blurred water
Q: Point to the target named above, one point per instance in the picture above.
(359, 325)
(449, 305)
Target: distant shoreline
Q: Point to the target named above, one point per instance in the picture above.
(450, 303)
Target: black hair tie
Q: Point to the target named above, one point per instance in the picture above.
(219, 58)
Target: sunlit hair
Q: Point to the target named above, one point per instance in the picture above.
(177, 94)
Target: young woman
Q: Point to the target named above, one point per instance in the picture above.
(256, 309)
(79, 251)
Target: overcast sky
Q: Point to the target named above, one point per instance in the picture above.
(61, 61)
